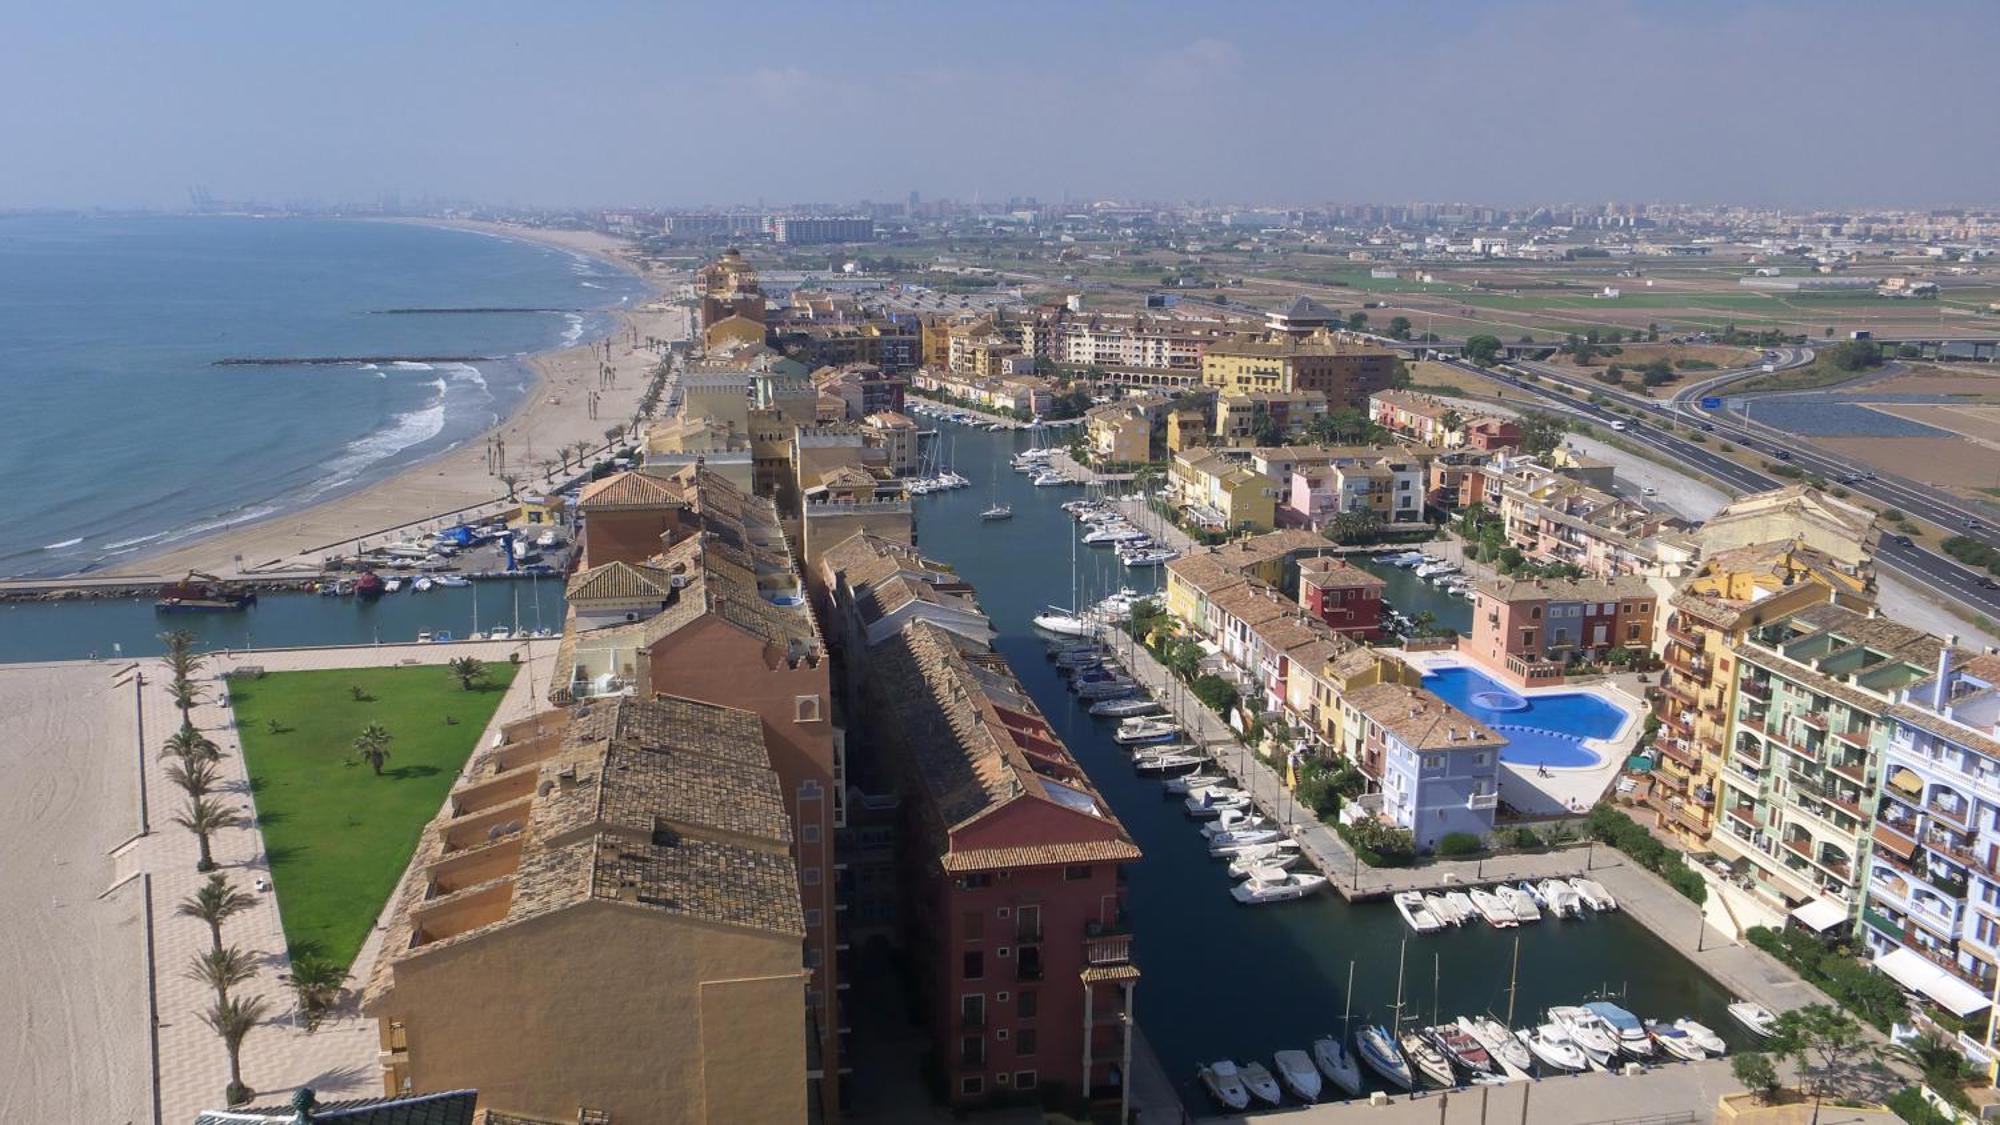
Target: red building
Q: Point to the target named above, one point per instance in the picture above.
(1343, 595)
(1492, 433)
(1014, 904)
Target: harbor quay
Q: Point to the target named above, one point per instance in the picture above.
(1662, 1095)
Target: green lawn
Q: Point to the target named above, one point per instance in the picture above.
(339, 836)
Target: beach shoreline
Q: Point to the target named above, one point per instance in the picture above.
(553, 413)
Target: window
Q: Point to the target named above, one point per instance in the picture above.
(805, 708)
(970, 1086)
(1024, 1041)
(1026, 1004)
(978, 879)
(972, 1050)
(974, 964)
(809, 790)
(809, 875)
(972, 1009)
(812, 957)
(809, 834)
(1535, 614)
(1632, 631)
(1076, 873)
(1024, 1080)
(1479, 759)
(812, 918)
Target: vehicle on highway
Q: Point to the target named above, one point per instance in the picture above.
(1708, 426)
(1620, 426)
(1988, 584)
(1783, 454)
(1903, 541)
(1649, 490)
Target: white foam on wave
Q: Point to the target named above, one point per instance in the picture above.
(408, 365)
(465, 373)
(134, 543)
(591, 285)
(574, 333)
(61, 545)
(402, 432)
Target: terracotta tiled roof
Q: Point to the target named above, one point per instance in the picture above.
(619, 581)
(628, 490)
(1333, 571)
(1037, 855)
(1565, 589)
(1420, 720)
(1096, 973)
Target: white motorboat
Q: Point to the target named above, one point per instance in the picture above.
(1562, 899)
(1410, 904)
(998, 512)
(1233, 843)
(1497, 913)
(1124, 708)
(1211, 803)
(1518, 901)
(1441, 910)
(1587, 1032)
(421, 583)
(1064, 623)
(1280, 854)
(1756, 1017)
(1674, 1041)
(1172, 762)
(1225, 1085)
(1632, 1037)
(1118, 687)
(1593, 894)
(1154, 556)
(1461, 905)
(1262, 1086)
(453, 581)
(1436, 569)
(1194, 783)
(546, 539)
(1233, 820)
(1498, 1041)
(1049, 478)
(1384, 1056)
(1336, 1063)
(1702, 1037)
(1427, 1060)
(1104, 534)
(1135, 731)
(1532, 892)
(1296, 1070)
(1550, 1045)
(392, 585)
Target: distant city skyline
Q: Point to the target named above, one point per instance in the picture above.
(1768, 103)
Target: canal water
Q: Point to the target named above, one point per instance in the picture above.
(1411, 595)
(1223, 980)
(110, 627)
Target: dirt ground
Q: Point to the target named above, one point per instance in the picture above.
(1979, 423)
(1928, 380)
(1949, 462)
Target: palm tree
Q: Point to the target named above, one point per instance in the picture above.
(372, 746)
(221, 969)
(194, 776)
(214, 904)
(469, 671)
(233, 1019)
(317, 983)
(205, 818)
(510, 480)
(582, 450)
(613, 433)
(185, 694)
(181, 659)
(190, 745)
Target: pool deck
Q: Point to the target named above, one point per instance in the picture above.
(1534, 792)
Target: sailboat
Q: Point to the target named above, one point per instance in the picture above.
(1331, 1053)
(1067, 622)
(1377, 1044)
(998, 511)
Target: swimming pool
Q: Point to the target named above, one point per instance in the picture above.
(1541, 730)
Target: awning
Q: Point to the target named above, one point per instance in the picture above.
(1906, 780)
(1910, 970)
(1821, 915)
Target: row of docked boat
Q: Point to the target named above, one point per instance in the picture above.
(1503, 905)
(1106, 526)
(1447, 576)
(945, 413)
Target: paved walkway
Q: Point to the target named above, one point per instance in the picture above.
(1662, 1095)
(339, 1059)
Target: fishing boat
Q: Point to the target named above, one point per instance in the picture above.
(1278, 853)
(1702, 1037)
(1549, 1044)
(1378, 1049)
(1295, 1069)
(1232, 843)
(1461, 1048)
(1275, 884)
(1519, 902)
(1441, 910)
(1410, 904)
(1136, 731)
(1632, 1037)
(1225, 1085)
(1427, 1059)
(1260, 1083)
(1590, 1034)
(1755, 1017)
(1497, 913)
(1593, 894)
(1674, 1041)
(1498, 1041)
(1124, 708)
(1562, 899)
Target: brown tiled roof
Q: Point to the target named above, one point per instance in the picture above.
(1331, 570)
(628, 490)
(1252, 603)
(619, 581)
(1420, 720)
(1036, 855)
(1096, 973)
(1565, 589)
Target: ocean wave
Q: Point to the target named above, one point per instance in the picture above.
(574, 333)
(590, 285)
(133, 542)
(403, 431)
(407, 365)
(61, 545)
(254, 512)
(466, 373)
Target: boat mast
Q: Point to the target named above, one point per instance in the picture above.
(1401, 951)
(1513, 980)
(1347, 1010)
(1436, 1003)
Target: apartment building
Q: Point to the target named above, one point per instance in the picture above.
(1125, 432)
(813, 230)
(1729, 594)
(1843, 533)
(862, 388)
(1931, 919)
(1029, 394)
(1345, 374)
(713, 609)
(1527, 630)
(1345, 597)
(728, 287)
(1553, 518)
(1220, 494)
(1438, 768)
(1245, 418)
(1417, 416)
(604, 923)
(1109, 341)
(1813, 692)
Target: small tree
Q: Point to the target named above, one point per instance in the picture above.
(1757, 1074)
(372, 746)
(470, 672)
(1824, 1041)
(221, 969)
(205, 817)
(190, 745)
(232, 1020)
(1399, 327)
(185, 694)
(1483, 349)
(512, 481)
(194, 776)
(215, 903)
(316, 982)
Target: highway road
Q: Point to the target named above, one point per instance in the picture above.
(1922, 567)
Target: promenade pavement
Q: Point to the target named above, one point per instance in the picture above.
(339, 1059)
(1661, 1095)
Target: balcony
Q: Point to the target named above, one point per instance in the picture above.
(1110, 949)
(1745, 815)
(1956, 814)
(1481, 801)
(1858, 738)
(1853, 769)
(1685, 693)
(1755, 690)
(1028, 963)
(1681, 633)
(1814, 719)
(1677, 752)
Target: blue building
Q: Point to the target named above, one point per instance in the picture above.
(1437, 767)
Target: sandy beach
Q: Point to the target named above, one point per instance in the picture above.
(555, 413)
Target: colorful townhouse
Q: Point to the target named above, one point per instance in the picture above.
(1438, 768)
(1526, 630)
(1345, 597)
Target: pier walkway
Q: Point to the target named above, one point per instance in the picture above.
(1661, 1095)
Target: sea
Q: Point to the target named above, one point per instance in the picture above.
(120, 431)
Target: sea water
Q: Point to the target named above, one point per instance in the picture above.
(120, 434)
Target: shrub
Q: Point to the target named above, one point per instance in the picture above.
(1909, 1104)
(1622, 832)
(1526, 838)
(1378, 844)
(1868, 994)
(1215, 693)
(1460, 843)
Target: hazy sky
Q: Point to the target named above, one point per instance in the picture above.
(1814, 102)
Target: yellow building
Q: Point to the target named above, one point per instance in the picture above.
(1119, 434)
(1189, 425)
(1343, 374)
(1241, 417)
(732, 331)
(603, 923)
(1844, 533)
(1732, 593)
(1221, 495)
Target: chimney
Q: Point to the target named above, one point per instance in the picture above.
(1941, 687)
